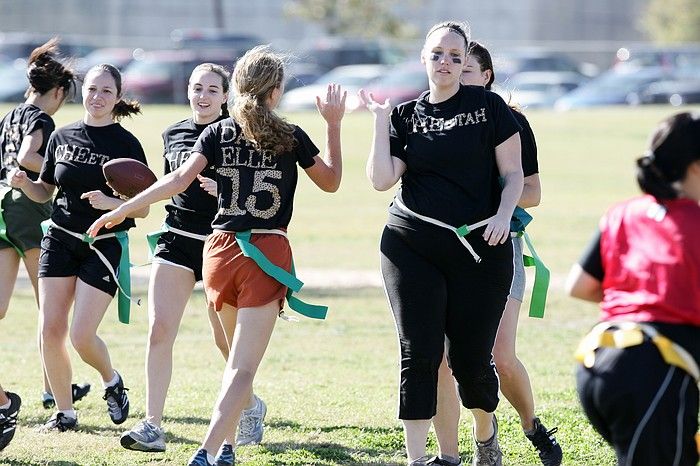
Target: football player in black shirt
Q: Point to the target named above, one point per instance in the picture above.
(256, 154)
(446, 255)
(24, 133)
(514, 380)
(71, 269)
(177, 259)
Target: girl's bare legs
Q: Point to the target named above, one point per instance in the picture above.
(55, 298)
(9, 264)
(515, 382)
(217, 330)
(166, 305)
(446, 420)
(416, 435)
(227, 323)
(88, 311)
(253, 329)
(31, 263)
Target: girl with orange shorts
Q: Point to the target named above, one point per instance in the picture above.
(256, 154)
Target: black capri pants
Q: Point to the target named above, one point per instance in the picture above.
(441, 297)
(642, 406)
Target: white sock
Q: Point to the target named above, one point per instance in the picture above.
(112, 382)
(69, 413)
(7, 405)
(211, 458)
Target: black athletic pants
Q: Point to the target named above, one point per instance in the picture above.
(646, 409)
(438, 292)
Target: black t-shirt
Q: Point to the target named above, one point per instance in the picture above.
(193, 209)
(528, 146)
(591, 261)
(256, 187)
(20, 122)
(450, 153)
(73, 163)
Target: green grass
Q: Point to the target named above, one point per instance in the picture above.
(331, 386)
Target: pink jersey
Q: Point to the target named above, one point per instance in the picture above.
(651, 259)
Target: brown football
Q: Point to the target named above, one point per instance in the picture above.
(127, 176)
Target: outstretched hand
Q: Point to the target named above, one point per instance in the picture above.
(332, 109)
(108, 220)
(378, 108)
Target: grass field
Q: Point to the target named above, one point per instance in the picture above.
(331, 386)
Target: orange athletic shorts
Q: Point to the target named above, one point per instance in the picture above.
(231, 278)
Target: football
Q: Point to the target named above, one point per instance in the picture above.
(127, 176)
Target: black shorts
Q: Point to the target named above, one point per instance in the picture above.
(180, 251)
(23, 218)
(62, 255)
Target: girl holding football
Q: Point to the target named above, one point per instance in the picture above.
(72, 269)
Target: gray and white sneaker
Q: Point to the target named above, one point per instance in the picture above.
(488, 453)
(250, 427)
(422, 461)
(144, 436)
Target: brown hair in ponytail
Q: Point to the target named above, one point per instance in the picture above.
(123, 107)
(46, 72)
(256, 75)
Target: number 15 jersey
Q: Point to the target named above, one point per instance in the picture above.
(256, 187)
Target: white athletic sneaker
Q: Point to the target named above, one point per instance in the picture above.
(250, 427)
(144, 436)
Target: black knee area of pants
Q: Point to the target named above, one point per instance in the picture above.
(478, 387)
(418, 391)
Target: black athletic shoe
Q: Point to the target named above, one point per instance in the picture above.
(78, 390)
(8, 419)
(437, 461)
(545, 443)
(60, 423)
(117, 401)
(200, 459)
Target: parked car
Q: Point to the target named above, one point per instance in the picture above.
(675, 92)
(672, 57)
(13, 80)
(332, 52)
(532, 89)
(401, 83)
(235, 44)
(519, 61)
(20, 45)
(299, 74)
(161, 76)
(614, 87)
(350, 77)
(120, 57)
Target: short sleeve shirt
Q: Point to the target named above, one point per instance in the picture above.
(193, 209)
(450, 153)
(650, 259)
(20, 122)
(73, 163)
(528, 145)
(256, 187)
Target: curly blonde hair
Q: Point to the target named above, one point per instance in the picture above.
(256, 75)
